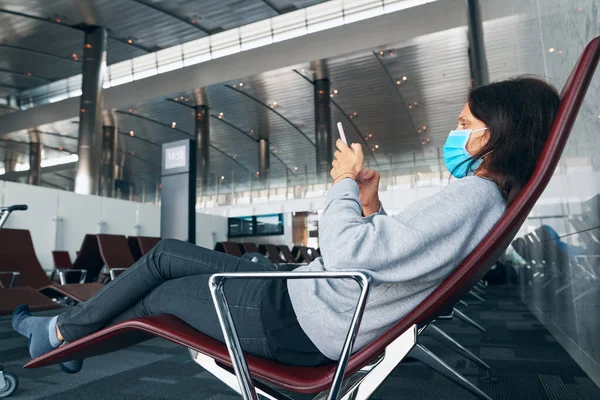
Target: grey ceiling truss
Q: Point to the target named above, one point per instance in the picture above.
(273, 110)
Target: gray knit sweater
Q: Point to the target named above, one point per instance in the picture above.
(407, 256)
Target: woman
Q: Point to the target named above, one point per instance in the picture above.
(500, 134)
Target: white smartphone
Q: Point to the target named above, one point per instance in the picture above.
(341, 131)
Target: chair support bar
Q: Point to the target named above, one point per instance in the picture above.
(62, 273)
(234, 347)
(14, 277)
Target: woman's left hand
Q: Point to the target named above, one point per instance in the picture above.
(348, 163)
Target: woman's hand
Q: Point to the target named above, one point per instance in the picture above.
(368, 183)
(348, 161)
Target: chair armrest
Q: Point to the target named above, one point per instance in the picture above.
(114, 272)
(232, 341)
(14, 274)
(62, 273)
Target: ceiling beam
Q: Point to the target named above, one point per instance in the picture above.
(173, 15)
(19, 88)
(182, 131)
(397, 89)
(271, 6)
(154, 121)
(38, 52)
(238, 129)
(74, 27)
(26, 75)
(339, 41)
(273, 110)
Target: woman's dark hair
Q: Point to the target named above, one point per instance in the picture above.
(518, 113)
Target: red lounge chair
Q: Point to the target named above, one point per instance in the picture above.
(134, 247)
(147, 243)
(17, 254)
(230, 248)
(272, 252)
(89, 258)
(249, 248)
(288, 256)
(370, 366)
(115, 253)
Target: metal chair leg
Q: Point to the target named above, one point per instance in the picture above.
(464, 318)
(478, 297)
(463, 303)
(425, 356)
(448, 341)
(478, 290)
(481, 285)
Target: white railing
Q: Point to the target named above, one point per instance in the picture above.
(283, 27)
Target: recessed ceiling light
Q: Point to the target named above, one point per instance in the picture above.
(257, 173)
(241, 84)
(424, 127)
(370, 135)
(381, 53)
(335, 91)
(376, 146)
(131, 133)
(130, 41)
(234, 156)
(222, 178)
(173, 124)
(88, 46)
(551, 49)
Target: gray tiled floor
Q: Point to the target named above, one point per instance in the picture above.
(527, 361)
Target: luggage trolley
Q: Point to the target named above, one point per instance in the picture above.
(8, 382)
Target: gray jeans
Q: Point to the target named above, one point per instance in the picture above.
(173, 279)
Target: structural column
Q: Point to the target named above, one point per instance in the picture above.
(202, 134)
(108, 172)
(323, 126)
(10, 162)
(479, 69)
(263, 159)
(90, 122)
(34, 175)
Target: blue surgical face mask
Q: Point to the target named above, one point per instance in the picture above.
(455, 153)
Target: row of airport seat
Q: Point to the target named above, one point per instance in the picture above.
(25, 281)
(279, 254)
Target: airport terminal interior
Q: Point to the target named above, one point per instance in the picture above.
(222, 123)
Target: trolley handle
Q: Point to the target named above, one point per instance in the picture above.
(17, 207)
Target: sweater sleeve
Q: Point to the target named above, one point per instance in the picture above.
(400, 248)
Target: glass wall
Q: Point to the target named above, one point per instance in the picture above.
(558, 248)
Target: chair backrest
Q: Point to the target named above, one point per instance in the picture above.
(481, 259)
(62, 259)
(286, 253)
(230, 248)
(115, 251)
(17, 254)
(134, 247)
(250, 248)
(273, 253)
(147, 243)
(89, 258)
